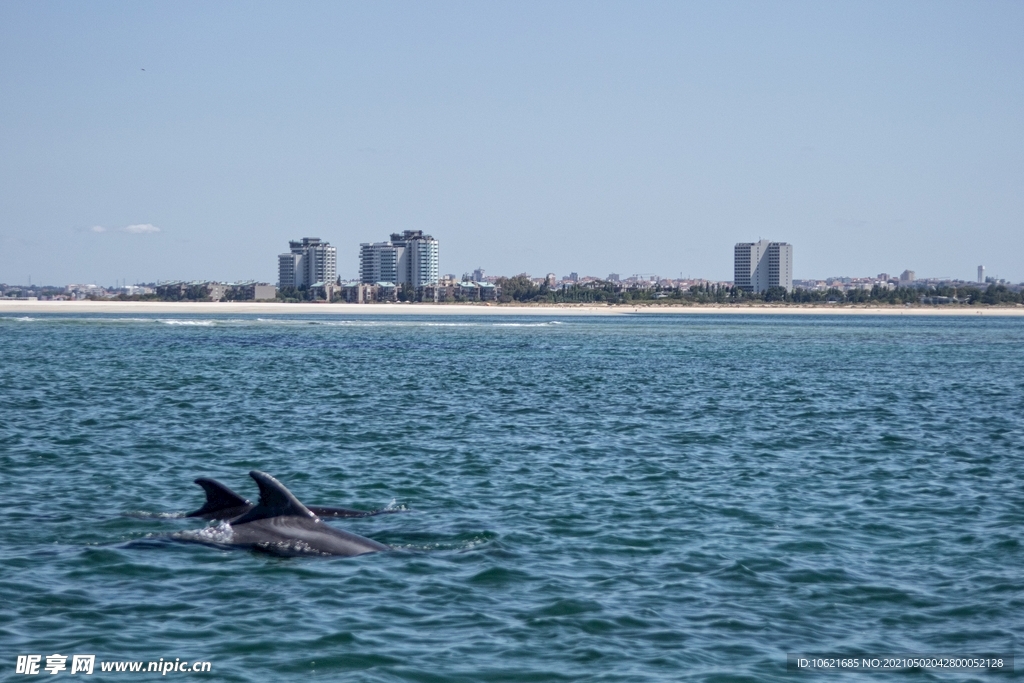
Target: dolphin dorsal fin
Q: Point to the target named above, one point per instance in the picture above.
(275, 501)
(218, 497)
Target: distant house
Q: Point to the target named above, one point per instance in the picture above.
(468, 291)
(191, 291)
(488, 292)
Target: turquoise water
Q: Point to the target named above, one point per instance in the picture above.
(607, 499)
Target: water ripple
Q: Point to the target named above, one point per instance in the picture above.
(600, 500)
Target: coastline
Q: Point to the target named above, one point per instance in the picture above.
(275, 308)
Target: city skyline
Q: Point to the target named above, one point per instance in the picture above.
(412, 258)
(336, 266)
(143, 142)
(348, 269)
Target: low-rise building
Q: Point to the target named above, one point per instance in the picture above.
(200, 290)
(387, 292)
(325, 291)
(467, 291)
(443, 293)
(488, 291)
(354, 292)
(178, 290)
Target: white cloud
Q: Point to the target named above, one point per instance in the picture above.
(142, 228)
(98, 228)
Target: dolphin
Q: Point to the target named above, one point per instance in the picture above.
(281, 525)
(224, 504)
(221, 502)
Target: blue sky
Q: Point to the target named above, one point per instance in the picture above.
(147, 141)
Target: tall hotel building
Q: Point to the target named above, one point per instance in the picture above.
(309, 262)
(759, 266)
(409, 258)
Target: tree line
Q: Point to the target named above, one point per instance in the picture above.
(522, 289)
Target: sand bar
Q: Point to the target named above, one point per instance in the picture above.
(260, 308)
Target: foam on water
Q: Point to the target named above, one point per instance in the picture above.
(216, 532)
(142, 514)
(188, 323)
(543, 324)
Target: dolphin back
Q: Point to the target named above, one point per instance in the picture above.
(275, 501)
(221, 502)
(280, 524)
(325, 511)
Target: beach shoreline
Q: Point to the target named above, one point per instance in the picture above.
(277, 308)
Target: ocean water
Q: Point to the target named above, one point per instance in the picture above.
(602, 499)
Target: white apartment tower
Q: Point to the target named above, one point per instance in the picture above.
(379, 262)
(289, 270)
(409, 258)
(308, 262)
(759, 266)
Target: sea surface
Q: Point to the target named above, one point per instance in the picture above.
(627, 498)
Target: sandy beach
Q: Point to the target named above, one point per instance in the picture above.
(261, 308)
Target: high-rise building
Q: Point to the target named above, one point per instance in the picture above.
(421, 265)
(981, 275)
(759, 266)
(288, 267)
(379, 262)
(321, 262)
(309, 261)
(409, 258)
(908, 276)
